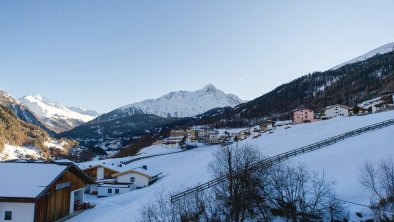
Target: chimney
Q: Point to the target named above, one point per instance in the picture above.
(144, 167)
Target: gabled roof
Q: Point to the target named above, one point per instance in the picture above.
(146, 173)
(31, 180)
(101, 165)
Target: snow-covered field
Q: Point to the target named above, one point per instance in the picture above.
(341, 162)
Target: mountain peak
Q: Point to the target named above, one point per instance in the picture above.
(185, 103)
(38, 96)
(389, 47)
(210, 87)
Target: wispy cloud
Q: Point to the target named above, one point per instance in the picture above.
(242, 80)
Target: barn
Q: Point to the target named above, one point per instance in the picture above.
(39, 191)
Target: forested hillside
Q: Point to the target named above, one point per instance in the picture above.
(347, 85)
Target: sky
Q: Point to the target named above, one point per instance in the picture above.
(105, 54)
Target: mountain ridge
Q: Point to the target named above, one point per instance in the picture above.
(22, 112)
(389, 47)
(348, 85)
(55, 115)
(185, 103)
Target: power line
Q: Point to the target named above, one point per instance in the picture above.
(363, 205)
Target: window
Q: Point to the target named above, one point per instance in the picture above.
(8, 215)
(109, 190)
(132, 179)
(116, 191)
(62, 185)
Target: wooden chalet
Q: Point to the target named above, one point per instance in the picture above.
(100, 172)
(31, 191)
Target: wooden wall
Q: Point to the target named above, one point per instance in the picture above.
(55, 204)
(93, 173)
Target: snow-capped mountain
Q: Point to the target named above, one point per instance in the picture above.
(57, 116)
(380, 50)
(21, 111)
(185, 103)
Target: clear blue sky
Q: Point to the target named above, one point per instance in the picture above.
(105, 54)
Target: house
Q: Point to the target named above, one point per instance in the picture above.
(303, 116)
(117, 178)
(242, 135)
(266, 125)
(178, 133)
(139, 177)
(335, 110)
(213, 138)
(377, 104)
(99, 173)
(202, 135)
(106, 190)
(173, 141)
(31, 191)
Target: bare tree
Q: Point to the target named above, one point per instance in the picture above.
(239, 197)
(250, 193)
(301, 195)
(378, 178)
(198, 207)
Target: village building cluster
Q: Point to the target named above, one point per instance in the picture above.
(384, 102)
(202, 136)
(195, 136)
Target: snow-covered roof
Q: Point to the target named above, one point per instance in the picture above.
(122, 168)
(139, 170)
(368, 103)
(27, 179)
(337, 105)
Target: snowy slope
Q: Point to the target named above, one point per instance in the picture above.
(381, 50)
(11, 152)
(56, 115)
(186, 103)
(17, 152)
(341, 162)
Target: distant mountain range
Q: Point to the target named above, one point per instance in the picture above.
(122, 124)
(57, 116)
